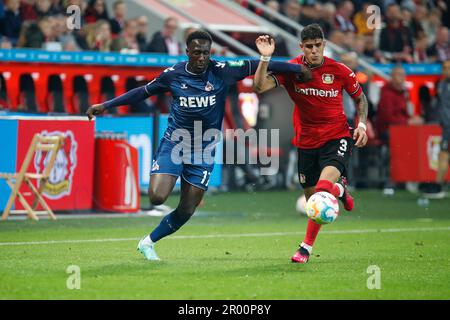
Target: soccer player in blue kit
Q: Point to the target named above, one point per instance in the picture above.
(199, 89)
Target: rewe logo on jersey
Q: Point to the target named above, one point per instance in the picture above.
(198, 102)
(317, 92)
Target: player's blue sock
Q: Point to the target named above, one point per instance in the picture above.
(168, 225)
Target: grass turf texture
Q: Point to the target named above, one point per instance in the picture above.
(414, 263)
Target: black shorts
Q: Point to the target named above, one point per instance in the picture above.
(334, 153)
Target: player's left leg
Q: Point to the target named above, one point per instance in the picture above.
(333, 181)
(334, 157)
(190, 198)
(312, 230)
(194, 183)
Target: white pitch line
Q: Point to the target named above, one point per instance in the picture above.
(268, 234)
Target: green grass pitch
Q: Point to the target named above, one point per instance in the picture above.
(237, 247)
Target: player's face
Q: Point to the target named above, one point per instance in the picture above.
(313, 50)
(199, 52)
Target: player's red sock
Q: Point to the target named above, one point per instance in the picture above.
(328, 186)
(312, 230)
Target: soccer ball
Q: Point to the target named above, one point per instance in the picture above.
(322, 207)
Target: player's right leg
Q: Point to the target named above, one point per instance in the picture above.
(309, 172)
(312, 230)
(165, 172)
(161, 185)
(333, 181)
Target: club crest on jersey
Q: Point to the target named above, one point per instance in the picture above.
(327, 78)
(209, 86)
(302, 178)
(155, 166)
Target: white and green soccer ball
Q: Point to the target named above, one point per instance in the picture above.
(322, 207)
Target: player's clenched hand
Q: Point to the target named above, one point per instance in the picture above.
(305, 75)
(94, 110)
(265, 45)
(360, 136)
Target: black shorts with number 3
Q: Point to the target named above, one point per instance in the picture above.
(334, 153)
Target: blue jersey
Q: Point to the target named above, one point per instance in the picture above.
(198, 106)
(198, 97)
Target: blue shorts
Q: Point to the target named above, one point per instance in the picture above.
(196, 174)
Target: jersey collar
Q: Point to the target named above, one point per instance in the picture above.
(307, 64)
(194, 74)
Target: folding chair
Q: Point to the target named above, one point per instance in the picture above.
(50, 144)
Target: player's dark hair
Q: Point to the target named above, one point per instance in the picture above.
(198, 35)
(311, 32)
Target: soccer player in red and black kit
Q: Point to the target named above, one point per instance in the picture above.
(322, 135)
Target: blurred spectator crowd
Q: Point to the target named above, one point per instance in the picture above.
(43, 24)
(410, 31)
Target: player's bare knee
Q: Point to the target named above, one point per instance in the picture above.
(156, 198)
(187, 208)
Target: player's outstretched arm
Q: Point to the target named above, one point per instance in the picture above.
(262, 81)
(95, 110)
(360, 135)
(130, 97)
